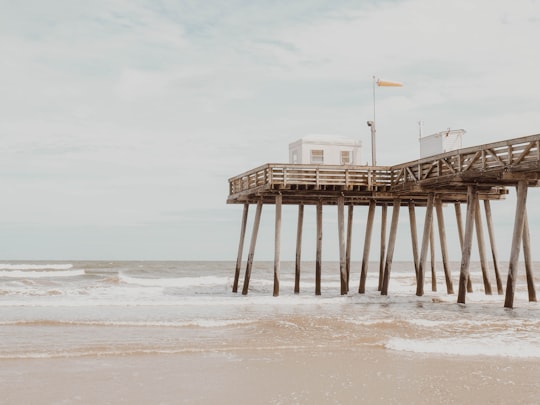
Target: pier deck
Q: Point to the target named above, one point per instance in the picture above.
(464, 176)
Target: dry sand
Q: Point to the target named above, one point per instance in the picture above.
(317, 376)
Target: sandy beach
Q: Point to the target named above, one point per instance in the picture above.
(244, 376)
(170, 333)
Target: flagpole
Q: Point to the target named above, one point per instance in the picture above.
(371, 124)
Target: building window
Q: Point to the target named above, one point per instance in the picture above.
(295, 157)
(317, 156)
(345, 157)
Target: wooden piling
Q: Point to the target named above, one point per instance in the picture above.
(517, 235)
(349, 242)
(341, 232)
(444, 248)
(383, 245)
(481, 248)
(318, 263)
(414, 236)
(298, 248)
(254, 232)
(367, 246)
(459, 221)
(277, 244)
(528, 260)
(391, 246)
(425, 245)
(432, 254)
(472, 197)
(491, 233)
(240, 248)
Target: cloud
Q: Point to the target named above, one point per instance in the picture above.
(116, 112)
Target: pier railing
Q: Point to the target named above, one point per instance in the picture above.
(311, 176)
(520, 154)
(502, 159)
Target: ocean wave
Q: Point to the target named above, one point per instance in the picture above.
(201, 323)
(41, 273)
(24, 266)
(174, 282)
(491, 346)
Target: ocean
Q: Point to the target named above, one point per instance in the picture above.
(83, 310)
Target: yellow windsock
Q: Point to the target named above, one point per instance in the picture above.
(387, 83)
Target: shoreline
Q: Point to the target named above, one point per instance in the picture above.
(361, 374)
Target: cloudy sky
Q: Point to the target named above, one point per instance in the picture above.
(121, 121)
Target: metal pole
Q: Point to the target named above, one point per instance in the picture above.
(373, 147)
(371, 124)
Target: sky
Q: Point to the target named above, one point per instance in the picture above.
(121, 121)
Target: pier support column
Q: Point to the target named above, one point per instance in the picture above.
(528, 260)
(298, 248)
(481, 248)
(425, 245)
(414, 236)
(349, 242)
(383, 245)
(459, 221)
(489, 222)
(277, 244)
(319, 250)
(444, 248)
(341, 234)
(255, 230)
(517, 235)
(472, 198)
(367, 246)
(240, 248)
(432, 254)
(391, 246)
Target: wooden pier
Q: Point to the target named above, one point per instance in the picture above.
(465, 176)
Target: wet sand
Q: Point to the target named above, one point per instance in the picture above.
(279, 376)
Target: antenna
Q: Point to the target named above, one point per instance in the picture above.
(420, 126)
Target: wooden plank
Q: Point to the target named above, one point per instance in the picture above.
(490, 150)
(318, 260)
(240, 248)
(491, 233)
(472, 197)
(528, 260)
(277, 244)
(524, 153)
(298, 262)
(252, 245)
(425, 244)
(341, 235)
(412, 174)
(449, 166)
(391, 246)
(383, 245)
(517, 235)
(367, 245)
(472, 160)
(443, 244)
(481, 248)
